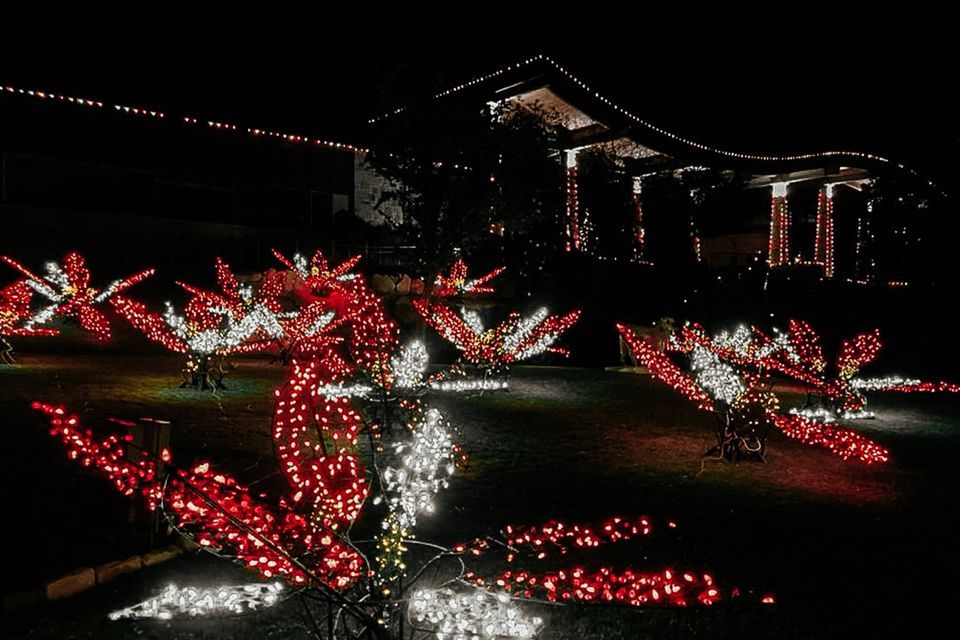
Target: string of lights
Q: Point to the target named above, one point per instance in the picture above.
(155, 114)
(203, 601)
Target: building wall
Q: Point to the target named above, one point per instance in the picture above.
(368, 187)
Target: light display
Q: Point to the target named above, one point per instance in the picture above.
(216, 510)
(216, 325)
(14, 310)
(349, 384)
(573, 208)
(514, 340)
(716, 377)
(472, 613)
(639, 233)
(427, 463)
(459, 386)
(604, 584)
(845, 443)
(409, 366)
(456, 283)
(203, 601)
(596, 95)
(69, 294)
(749, 408)
(779, 249)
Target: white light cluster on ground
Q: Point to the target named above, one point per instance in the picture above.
(826, 415)
(887, 382)
(200, 601)
(409, 365)
(426, 464)
(471, 615)
(468, 385)
(716, 377)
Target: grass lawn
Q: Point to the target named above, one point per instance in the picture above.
(847, 549)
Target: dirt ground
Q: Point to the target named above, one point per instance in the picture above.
(847, 549)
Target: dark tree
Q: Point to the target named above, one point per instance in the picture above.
(469, 181)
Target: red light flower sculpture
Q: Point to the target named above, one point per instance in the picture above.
(455, 283)
(718, 382)
(70, 295)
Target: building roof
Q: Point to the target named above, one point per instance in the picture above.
(590, 118)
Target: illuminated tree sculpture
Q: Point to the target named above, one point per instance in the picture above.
(351, 385)
(745, 407)
(213, 325)
(516, 339)
(798, 354)
(69, 294)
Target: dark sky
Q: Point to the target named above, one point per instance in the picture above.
(803, 77)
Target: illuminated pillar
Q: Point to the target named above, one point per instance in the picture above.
(638, 232)
(823, 244)
(572, 224)
(779, 249)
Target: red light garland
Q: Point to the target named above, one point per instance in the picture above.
(666, 587)
(845, 443)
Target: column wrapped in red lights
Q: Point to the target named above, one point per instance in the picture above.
(779, 245)
(823, 243)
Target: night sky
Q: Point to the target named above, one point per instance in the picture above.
(805, 77)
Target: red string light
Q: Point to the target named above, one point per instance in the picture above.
(845, 443)
(455, 282)
(664, 369)
(665, 587)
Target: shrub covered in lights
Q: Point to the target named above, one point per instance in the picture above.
(730, 374)
(741, 398)
(516, 339)
(213, 325)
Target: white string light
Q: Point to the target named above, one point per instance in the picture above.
(200, 601)
(880, 384)
(409, 365)
(473, 615)
(427, 461)
(822, 155)
(190, 120)
(716, 377)
(458, 386)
